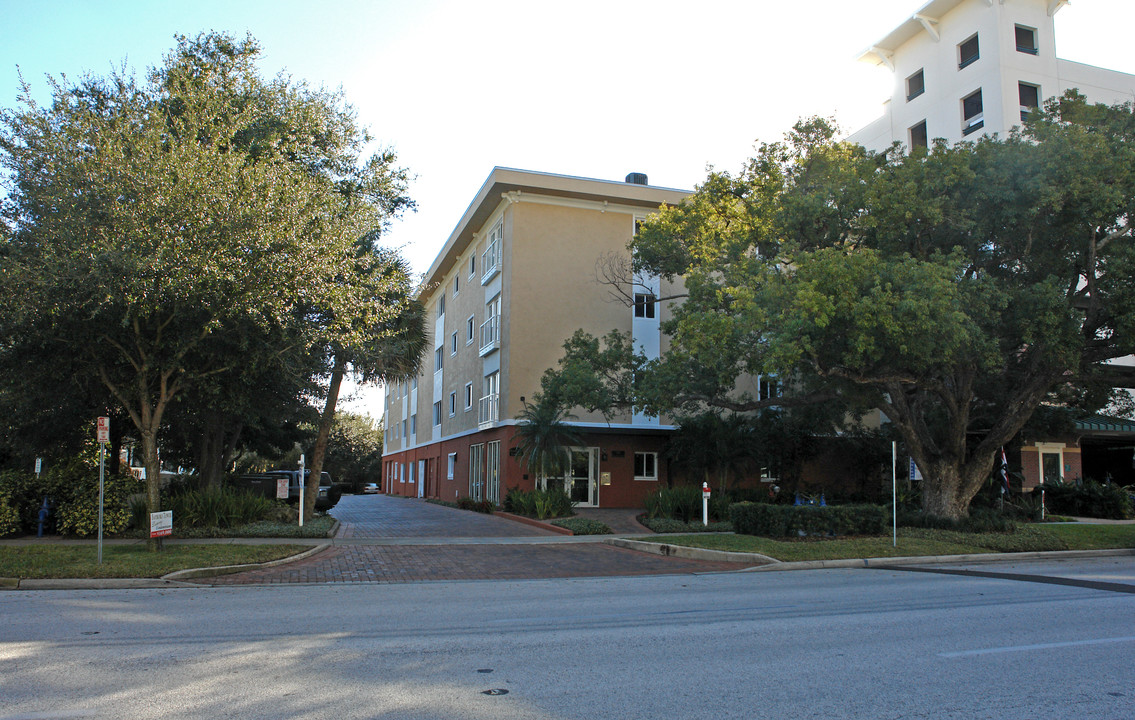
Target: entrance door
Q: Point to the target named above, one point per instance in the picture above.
(421, 478)
(583, 479)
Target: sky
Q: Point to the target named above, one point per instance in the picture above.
(595, 88)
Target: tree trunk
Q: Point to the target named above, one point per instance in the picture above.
(153, 479)
(315, 463)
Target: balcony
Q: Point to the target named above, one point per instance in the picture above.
(488, 409)
(490, 262)
(490, 335)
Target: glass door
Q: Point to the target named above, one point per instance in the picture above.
(583, 476)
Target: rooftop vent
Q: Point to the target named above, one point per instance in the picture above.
(636, 178)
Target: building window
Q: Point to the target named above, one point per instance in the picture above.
(915, 85)
(468, 396)
(470, 330)
(491, 258)
(487, 411)
(414, 424)
(644, 305)
(456, 285)
(490, 329)
(437, 358)
(453, 343)
(452, 404)
(493, 472)
(476, 471)
(767, 388)
(473, 265)
(405, 428)
(1029, 96)
(450, 466)
(645, 466)
(918, 137)
(972, 114)
(1026, 40)
(414, 384)
(437, 413)
(968, 52)
(441, 305)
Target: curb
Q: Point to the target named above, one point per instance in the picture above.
(190, 573)
(976, 559)
(174, 579)
(763, 563)
(534, 523)
(689, 553)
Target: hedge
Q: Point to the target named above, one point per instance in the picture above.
(798, 520)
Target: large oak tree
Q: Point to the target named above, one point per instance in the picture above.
(148, 223)
(956, 289)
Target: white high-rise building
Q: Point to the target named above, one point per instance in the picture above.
(967, 67)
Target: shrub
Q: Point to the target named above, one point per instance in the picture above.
(678, 503)
(669, 525)
(74, 487)
(981, 520)
(217, 508)
(9, 517)
(795, 520)
(540, 504)
(583, 526)
(481, 506)
(1089, 499)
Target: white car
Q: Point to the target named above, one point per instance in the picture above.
(370, 489)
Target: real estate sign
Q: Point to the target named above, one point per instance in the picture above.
(161, 524)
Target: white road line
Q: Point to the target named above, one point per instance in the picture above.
(1041, 646)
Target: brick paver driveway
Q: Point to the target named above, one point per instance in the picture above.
(385, 516)
(391, 539)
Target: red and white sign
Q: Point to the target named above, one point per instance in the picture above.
(282, 488)
(161, 524)
(705, 490)
(104, 430)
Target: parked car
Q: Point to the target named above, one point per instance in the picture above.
(371, 489)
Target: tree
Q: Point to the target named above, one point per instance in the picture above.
(354, 449)
(145, 222)
(954, 289)
(380, 335)
(543, 437)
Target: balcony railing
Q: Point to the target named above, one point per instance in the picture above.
(490, 335)
(490, 261)
(488, 409)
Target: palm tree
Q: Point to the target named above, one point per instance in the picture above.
(543, 437)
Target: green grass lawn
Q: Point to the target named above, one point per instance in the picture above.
(129, 561)
(913, 541)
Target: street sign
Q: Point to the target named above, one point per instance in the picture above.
(38, 465)
(915, 473)
(161, 524)
(104, 430)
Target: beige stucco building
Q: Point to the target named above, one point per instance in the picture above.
(515, 279)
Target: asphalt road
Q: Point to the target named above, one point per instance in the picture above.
(864, 643)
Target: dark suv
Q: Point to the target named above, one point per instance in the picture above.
(265, 483)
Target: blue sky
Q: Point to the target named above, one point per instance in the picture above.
(597, 88)
(593, 88)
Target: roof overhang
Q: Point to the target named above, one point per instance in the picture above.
(924, 20)
(504, 182)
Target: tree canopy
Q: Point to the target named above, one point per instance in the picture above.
(152, 226)
(955, 289)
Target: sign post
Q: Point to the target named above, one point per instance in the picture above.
(895, 493)
(103, 438)
(301, 489)
(705, 504)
